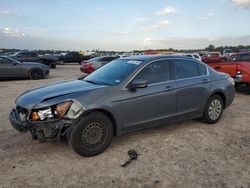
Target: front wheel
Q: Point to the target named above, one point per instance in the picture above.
(213, 110)
(92, 134)
(35, 74)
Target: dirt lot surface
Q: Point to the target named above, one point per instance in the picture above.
(186, 154)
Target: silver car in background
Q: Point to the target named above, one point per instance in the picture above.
(11, 68)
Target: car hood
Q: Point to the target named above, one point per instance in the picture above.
(33, 97)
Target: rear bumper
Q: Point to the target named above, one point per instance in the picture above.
(86, 70)
(230, 95)
(238, 78)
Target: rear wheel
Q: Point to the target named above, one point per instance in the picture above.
(52, 65)
(248, 89)
(92, 134)
(214, 109)
(35, 74)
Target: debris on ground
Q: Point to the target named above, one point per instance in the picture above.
(133, 155)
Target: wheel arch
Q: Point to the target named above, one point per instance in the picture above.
(108, 114)
(222, 95)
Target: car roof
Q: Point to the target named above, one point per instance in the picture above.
(239, 53)
(148, 58)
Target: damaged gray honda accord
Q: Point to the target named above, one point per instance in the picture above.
(125, 95)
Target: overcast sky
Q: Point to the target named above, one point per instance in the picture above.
(123, 24)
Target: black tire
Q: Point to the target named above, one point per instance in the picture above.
(36, 74)
(52, 65)
(248, 89)
(214, 110)
(91, 135)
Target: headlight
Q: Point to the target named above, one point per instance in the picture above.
(68, 109)
(41, 114)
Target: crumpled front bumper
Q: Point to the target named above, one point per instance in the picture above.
(41, 130)
(16, 121)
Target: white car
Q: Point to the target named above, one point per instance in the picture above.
(193, 55)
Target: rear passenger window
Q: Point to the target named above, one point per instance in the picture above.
(155, 72)
(185, 69)
(202, 69)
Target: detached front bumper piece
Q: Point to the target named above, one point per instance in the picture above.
(41, 130)
(16, 121)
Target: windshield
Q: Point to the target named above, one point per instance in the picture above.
(113, 73)
(15, 54)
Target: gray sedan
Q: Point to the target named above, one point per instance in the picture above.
(10, 68)
(123, 96)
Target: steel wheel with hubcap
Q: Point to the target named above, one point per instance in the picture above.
(214, 109)
(92, 134)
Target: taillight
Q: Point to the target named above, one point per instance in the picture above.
(89, 67)
(239, 69)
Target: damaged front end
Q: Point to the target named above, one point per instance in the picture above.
(47, 123)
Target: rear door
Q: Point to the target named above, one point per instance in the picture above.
(151, 105)
(192, 87)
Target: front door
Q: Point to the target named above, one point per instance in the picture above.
(152, 105)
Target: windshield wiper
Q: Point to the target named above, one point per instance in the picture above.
(97, 83)
(90, 81)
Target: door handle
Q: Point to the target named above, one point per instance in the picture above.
(169, 88)
(217, 67)
(205, 80)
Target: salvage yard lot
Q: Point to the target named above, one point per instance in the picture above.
(186, 154)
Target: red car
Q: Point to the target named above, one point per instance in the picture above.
(237, 67)
(91, 65)
(213, 57)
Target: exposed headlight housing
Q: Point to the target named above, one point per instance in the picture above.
(71, 109)
(62, 108)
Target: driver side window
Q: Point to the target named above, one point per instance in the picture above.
(155, 72)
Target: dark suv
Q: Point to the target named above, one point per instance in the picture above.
(27, 56)
(73, 57)
(122, 96)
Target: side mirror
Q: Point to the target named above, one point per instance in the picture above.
(137, 84)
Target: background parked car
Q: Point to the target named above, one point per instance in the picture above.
(194, 56)
(73, 57)
(10, 68)
(238, 67)
(91, 65)
(27, 56)
(213, 57)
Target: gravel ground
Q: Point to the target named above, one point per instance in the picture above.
(185, 154)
